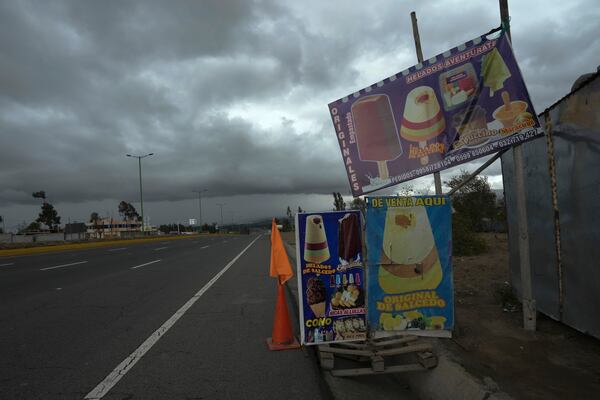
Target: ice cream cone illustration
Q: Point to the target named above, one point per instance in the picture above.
(315, 296)
(494, 71)
(409, 258)
(423, 118)
(508, 113)
(376, 132)
(316, 249)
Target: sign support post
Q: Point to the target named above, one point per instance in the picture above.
(529, 306)
(413, 16)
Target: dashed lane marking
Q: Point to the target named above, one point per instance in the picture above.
(63, 265)
(143, 265)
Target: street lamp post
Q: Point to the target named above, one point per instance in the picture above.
(141, 193)
(200, 191)
(221, 205)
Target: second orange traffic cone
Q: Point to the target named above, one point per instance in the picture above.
(283, 338)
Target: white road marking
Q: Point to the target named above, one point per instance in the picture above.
(58, 288)
(119, 249)
(63, 265)
(143, 265)
(204, 247)
(115, 376)
(160, 248)
(6, 265)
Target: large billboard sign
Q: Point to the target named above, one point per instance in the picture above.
(460, 105)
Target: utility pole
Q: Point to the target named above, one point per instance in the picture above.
(221, 205)
(141, 192)
(200, 191)
(413, 16)
(529, 304)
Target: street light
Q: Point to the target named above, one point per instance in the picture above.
(200, 191)
(221, 205)
(141, 195)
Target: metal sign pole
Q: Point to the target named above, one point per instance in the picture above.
(413, 16)
(529, 306)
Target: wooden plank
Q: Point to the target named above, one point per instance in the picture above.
(326, 359)
(348, 351)
(368, 371)
(404, 339)
(427, 359)
(404, 349)
(377, 364)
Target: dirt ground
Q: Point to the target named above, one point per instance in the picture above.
(555, 362)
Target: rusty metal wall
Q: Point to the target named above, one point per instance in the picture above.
(576, 151)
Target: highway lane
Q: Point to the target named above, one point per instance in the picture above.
(62, 343)
(218, 350)
(29, 275)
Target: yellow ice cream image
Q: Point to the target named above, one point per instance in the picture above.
(494, 71)
(409, 258)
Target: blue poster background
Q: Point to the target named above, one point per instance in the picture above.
(422, 303)
(325, 278)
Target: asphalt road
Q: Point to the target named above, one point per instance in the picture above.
(146, 321)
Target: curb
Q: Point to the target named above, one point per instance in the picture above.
(448, 381)
(90, 245)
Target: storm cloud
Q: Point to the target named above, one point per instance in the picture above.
(231, 96)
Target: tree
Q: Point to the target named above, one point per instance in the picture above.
(128, 211)
(288, 224)
(472, 204)
(48, 216)
(39, 195)
(34, 227)
(338, 202)
(94, 217)
(300, 210)
(358, 204)
(475, 200)
(2, 222)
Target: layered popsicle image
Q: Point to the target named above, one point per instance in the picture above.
(409, 258)
(349, 237)
(376, 132)
(422, 119)
(316, 249)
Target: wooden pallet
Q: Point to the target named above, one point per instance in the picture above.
(378, 352)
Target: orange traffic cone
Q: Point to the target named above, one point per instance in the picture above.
(282, 338)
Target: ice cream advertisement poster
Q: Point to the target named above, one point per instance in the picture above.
(331, 280)
(463, 104)
(409, 265)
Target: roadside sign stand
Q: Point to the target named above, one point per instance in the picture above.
(379, 353)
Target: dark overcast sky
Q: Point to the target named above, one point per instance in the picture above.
(231, 96)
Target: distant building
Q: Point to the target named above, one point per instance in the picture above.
(109, 227)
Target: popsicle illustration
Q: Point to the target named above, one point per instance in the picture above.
(376, 132)
(348, 237)
(494, 71)
(423, 119)
(316, 249)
